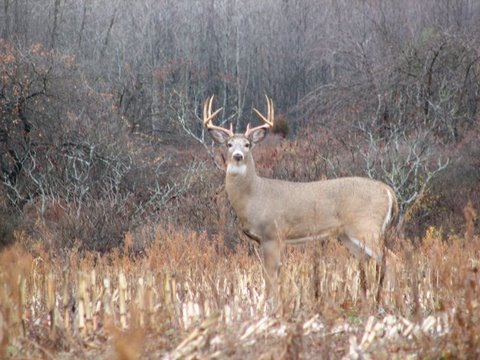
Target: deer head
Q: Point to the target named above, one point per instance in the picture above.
(239, 146)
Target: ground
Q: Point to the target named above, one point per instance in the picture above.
(188, 297)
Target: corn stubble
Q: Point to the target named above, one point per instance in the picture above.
(188, 298)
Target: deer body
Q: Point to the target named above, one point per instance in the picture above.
(297, 212)
(358, 211)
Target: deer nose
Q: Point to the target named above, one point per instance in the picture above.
(237, 157)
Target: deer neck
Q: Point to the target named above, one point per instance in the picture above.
(240, 183)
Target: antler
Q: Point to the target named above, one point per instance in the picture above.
(208, 117)
(269, 120)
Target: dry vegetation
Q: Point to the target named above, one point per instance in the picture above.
(189, 297)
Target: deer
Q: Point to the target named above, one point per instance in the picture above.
(357, 211)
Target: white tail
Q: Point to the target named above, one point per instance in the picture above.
(358, 211)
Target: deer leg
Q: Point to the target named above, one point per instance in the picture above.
(363, 252)
(390, 271)
(363, 277)
(360, 249)
(271, 262)
(380, 269)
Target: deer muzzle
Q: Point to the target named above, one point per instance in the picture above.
(237, 156)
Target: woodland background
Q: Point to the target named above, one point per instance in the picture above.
(116, 236)
(100, 103)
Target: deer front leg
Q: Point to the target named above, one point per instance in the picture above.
(271, 263)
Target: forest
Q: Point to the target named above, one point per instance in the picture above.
(114, 222)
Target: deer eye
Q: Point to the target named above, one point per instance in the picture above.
(247, 145)
(229, 145)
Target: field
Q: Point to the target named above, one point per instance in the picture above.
(187, 297)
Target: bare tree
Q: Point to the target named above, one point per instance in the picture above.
(408, 162)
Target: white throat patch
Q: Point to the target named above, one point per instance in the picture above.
(234, 169)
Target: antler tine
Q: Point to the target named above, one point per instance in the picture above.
(269, 120)
(207, 111)
(208, 117)
(272, 109)
(270, 112)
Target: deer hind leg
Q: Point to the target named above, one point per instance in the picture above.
(380, 268)
(363, 252)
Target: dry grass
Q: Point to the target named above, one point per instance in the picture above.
(191, 298)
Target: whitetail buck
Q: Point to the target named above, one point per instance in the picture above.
(358, 211)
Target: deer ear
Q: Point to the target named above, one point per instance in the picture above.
(219, 136)
(258, 135)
